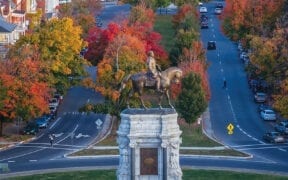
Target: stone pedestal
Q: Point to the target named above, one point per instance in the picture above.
(149, 143)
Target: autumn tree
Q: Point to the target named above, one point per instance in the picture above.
(57, 43)
(25, 93)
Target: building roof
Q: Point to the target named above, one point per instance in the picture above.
(5, 26)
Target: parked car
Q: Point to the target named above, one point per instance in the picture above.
(54, 102)
(211, 45)
(53, 110)
(268, 115)
(31, 129)
(59, 97)
(273, 137)
(48, 117)
(260, 97)
(282, 127)
(203, 9)
(217, 11)
(42, 122)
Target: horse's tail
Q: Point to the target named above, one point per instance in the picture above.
(124, 82)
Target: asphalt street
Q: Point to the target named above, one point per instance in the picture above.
(233, 104)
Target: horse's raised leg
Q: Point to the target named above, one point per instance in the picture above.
(168, 98)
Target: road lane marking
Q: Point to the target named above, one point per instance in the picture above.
(282, 149)
(55, 123)
(11, 161)
(31, 152)
(69, 135)
(32, 160)
(265, 147)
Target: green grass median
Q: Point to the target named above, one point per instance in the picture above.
(188, 174)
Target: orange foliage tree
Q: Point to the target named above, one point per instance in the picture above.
(26, 95)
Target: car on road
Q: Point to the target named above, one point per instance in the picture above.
(282, 127)
(274, 137)
(42, 122)
(268, 115)
(217, 11)
(204, 24)
(203, 9)
(260, 97)
(31, 129)
(53, 110)
(219, 5)
(211, 45)
(54, 102)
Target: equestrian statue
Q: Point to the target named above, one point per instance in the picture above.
(154, 78)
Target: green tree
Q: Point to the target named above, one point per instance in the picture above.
(191, 101)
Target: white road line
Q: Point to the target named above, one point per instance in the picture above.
(32, 160)
(55, 123)
(282, 150)
(31, 152)
(267, 147)
(247, 145)
(69, 135)
(11, 161)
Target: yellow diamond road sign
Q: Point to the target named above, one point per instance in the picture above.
(230, 127)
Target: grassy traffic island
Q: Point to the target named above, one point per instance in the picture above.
(194, 142)
(188, 174)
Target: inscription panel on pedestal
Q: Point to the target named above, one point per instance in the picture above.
(148, 161)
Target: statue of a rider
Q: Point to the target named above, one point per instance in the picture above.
(153, 72)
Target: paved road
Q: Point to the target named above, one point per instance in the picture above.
(232, 105)
(235, 104)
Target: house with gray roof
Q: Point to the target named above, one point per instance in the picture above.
(8, 35)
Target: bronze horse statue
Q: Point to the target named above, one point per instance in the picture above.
(141, 80)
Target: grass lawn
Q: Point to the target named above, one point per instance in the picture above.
(188, 174)
(163, 26)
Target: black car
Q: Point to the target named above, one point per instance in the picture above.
(273, 137)
(204, 24)
(219, 5)
(211, 45)
(31, 129)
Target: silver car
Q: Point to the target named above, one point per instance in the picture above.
(268, 115)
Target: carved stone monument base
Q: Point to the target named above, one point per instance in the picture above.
(149, 143)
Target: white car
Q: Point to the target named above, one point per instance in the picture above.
(203, 9)
(54, 102)
(218, 11)
(268, 115)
